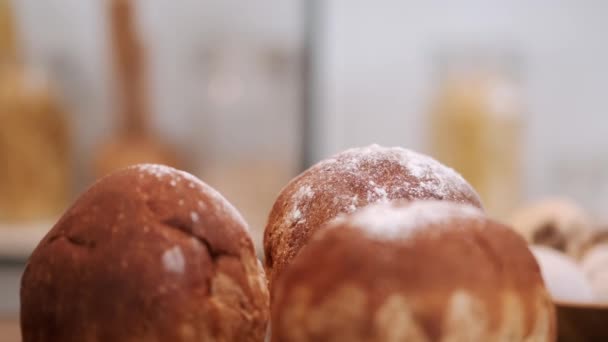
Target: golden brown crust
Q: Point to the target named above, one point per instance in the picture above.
(554, 222)
(346, 182)
(148, 254)
(461, 278)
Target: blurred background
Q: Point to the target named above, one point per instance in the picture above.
(246, 95)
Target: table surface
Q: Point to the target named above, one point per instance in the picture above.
(9, 329)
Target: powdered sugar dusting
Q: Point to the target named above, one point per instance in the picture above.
(194, 216)
(380, 193)
(430, 175)
(159, 171)
(300, 202)
(391, 221)
(353, 204)
(173, 260)
(177, 177)
(174, 176)
(378, 174)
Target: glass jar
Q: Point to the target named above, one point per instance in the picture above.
(34, 146)
(476, 123)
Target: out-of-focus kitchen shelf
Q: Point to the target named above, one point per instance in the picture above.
(17, 241)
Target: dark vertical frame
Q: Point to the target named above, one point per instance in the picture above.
(312, 26)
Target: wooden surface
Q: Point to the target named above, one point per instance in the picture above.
(9, 329)
(580, 322)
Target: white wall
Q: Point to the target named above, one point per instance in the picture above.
(69, 39)
(222, 83)
(376, 79)
(375, 75)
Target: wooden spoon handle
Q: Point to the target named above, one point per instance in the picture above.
(128, 66)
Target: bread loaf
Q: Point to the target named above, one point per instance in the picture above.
(148, 253)
(346, 182)
(419, 271)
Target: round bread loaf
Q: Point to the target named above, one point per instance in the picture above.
(418, 271)
(557, 223)
(148, 253)
(348, 181)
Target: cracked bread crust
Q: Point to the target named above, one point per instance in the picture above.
(427, 274)
(148, 253)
